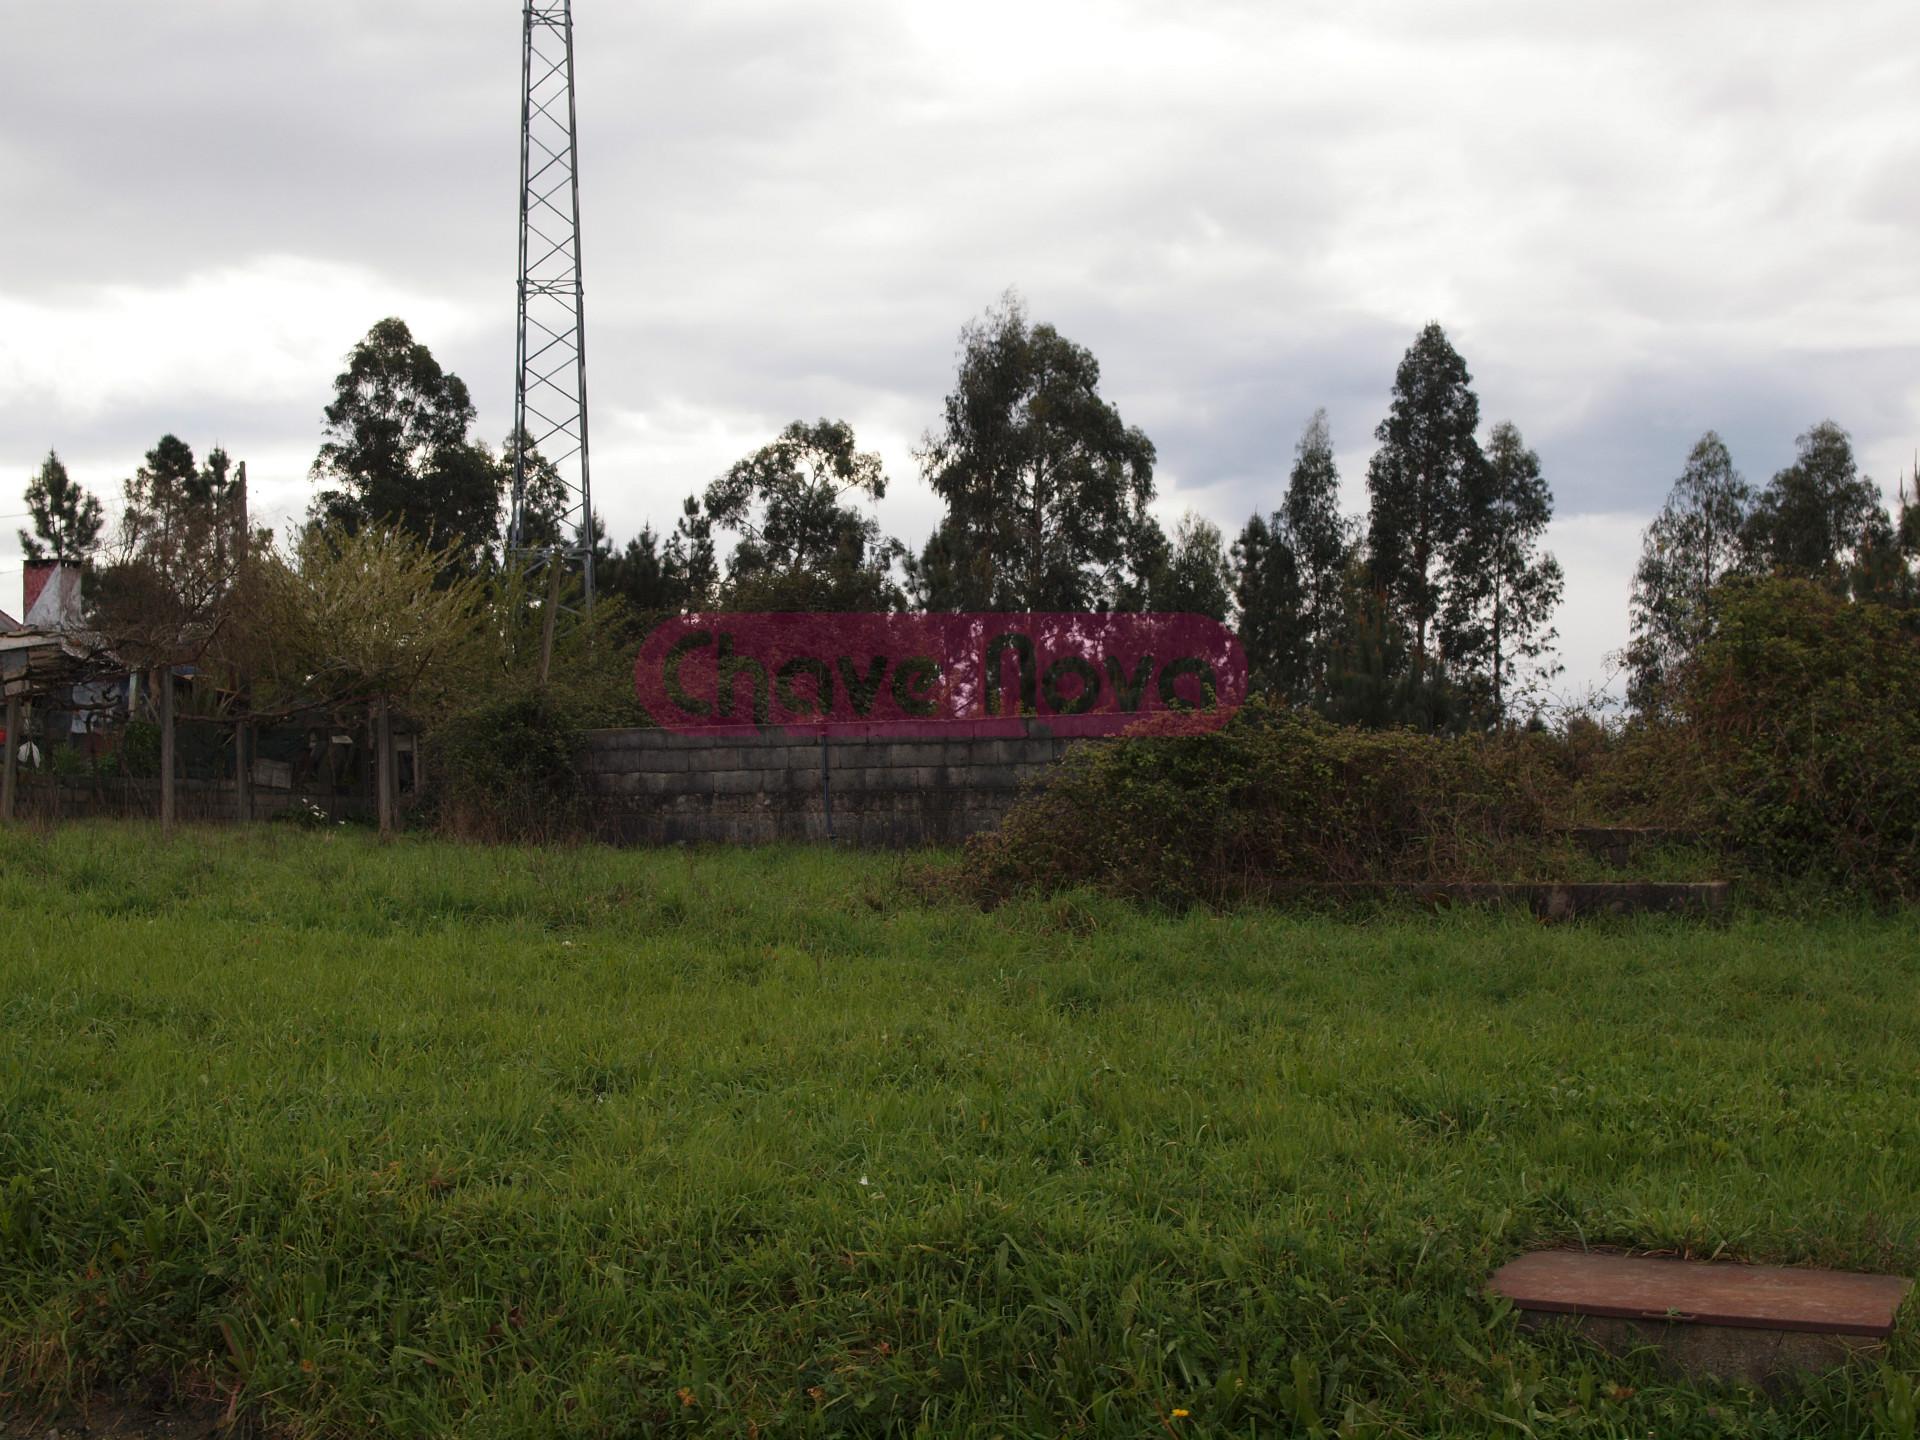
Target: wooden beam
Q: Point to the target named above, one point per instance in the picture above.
(1696, 1292)
(1758, 1325)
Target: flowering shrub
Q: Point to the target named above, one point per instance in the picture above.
(306, 815)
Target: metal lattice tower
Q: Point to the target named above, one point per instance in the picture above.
(550, 396)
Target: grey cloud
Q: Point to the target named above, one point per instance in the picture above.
(1638, 220)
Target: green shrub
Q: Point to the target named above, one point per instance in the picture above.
(1645, 773)
(1277, 799)
(140, 749)
(69, 762)
(1804, 713)
(508, 770)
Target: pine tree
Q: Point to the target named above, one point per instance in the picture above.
(689, 560)
(170, 583)
(636, 574)
(66, 519)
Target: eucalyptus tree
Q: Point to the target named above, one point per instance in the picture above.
(1045, 487)
(1417, 482)
(1273, 625)
(399, 451)
(1819, 515)
(1321, 540)
(1497, 621)
(803, 540)
(1698, 539)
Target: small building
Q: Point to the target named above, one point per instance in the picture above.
(44, 657)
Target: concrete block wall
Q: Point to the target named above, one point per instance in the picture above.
(653, 787)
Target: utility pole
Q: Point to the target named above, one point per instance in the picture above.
(550, 390)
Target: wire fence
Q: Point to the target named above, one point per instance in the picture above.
(97, 755)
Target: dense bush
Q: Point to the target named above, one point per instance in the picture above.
(508, 770)
(1803, 714)
(1276, 799)
(140, 749)
(1644, 772)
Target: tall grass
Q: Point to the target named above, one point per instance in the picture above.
(424, 1140)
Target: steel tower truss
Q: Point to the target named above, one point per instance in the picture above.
(550, 396)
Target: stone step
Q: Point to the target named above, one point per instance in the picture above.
(1558, 901)
(1757, 1324)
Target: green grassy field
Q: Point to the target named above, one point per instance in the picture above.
(427, 1140)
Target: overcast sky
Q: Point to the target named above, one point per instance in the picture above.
(1636, 220)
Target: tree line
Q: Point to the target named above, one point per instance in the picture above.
(1818, 519)
(1436, 611)
(1434, 608)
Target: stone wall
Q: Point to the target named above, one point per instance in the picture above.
(652, 787)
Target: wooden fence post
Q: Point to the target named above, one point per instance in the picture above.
(550, 619)
(12, 777)
(383, 763)
(166, 749)
(242, 775)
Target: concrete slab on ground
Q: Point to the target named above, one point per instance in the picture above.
(1758, 1324)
